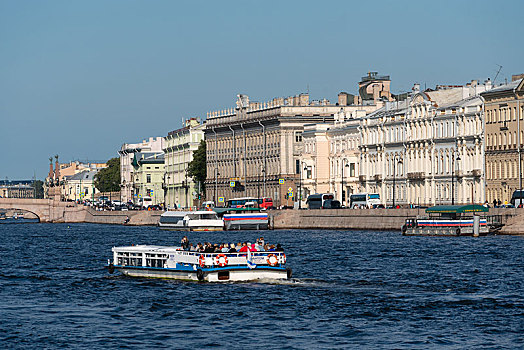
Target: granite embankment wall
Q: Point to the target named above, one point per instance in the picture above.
(374, 219)
(87, 214)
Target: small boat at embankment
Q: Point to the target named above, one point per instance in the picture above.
(175, 263)
(202, 220)
(244, 218)
(449, 220)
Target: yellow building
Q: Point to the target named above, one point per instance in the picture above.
(504, 112)
(148, 178)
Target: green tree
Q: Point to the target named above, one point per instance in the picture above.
(197, 168)
(108, 179)
(39, 188)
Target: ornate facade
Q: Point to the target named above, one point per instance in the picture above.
(427, 149)
(253, 146)
(180, 190)
(127, 154)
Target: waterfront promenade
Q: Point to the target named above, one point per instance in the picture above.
(332, 219)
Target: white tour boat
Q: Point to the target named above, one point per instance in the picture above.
(175, 263)
(203, 220)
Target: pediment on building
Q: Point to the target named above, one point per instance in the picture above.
(419, 98)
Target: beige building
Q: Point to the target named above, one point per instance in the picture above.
(256, 149)
(127, 154)
(179, 146)
(331, 155)
(504, 111)
(330, 161)
(16, 189)
(427, 149)
(148, 178)
(80, 186)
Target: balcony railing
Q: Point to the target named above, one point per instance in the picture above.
(377, 177)
(362, 178)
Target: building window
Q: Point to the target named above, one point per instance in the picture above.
(298, 137)
(148, 178)
(352, 169)
(297, 166)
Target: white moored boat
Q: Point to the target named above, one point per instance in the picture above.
(203, 220)
(173, 262)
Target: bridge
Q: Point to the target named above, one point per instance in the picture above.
(47, 210)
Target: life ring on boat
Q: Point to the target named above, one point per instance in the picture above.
(457, 232)
(221, 260)
(200, 275)
(272, 260)
(201, 261)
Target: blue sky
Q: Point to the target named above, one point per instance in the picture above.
(79, 78)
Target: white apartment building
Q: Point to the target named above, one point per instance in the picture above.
(127, 154)
(427, 149)
(180, 190)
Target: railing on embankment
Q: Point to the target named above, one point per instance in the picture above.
(373, 219)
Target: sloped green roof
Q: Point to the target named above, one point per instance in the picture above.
(471, 208)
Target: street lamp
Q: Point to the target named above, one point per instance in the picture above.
(453, 180)
(299, 195)
(262, 171)
(216, 186)
(342, 196)
(394, 174)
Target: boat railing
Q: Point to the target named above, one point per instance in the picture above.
(237, 258)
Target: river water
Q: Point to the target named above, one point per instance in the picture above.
(350, 289)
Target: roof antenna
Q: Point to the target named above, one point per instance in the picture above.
(496, 75)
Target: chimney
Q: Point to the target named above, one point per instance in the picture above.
(343, 99)
(416, 87)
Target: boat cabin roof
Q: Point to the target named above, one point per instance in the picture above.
(235, 210)
(184, 213)
(457, 209)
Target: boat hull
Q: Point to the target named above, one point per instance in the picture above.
(208, 275)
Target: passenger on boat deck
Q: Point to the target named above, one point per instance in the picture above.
(261, 241)
(209, 248)
(192, 248)
(200, 247)
(244, 247)
(232, 249)
(224, 248)
(185, 243)
(271, 248)
(279, 248)
(238, 246)
(259, 247)
(217, 248)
